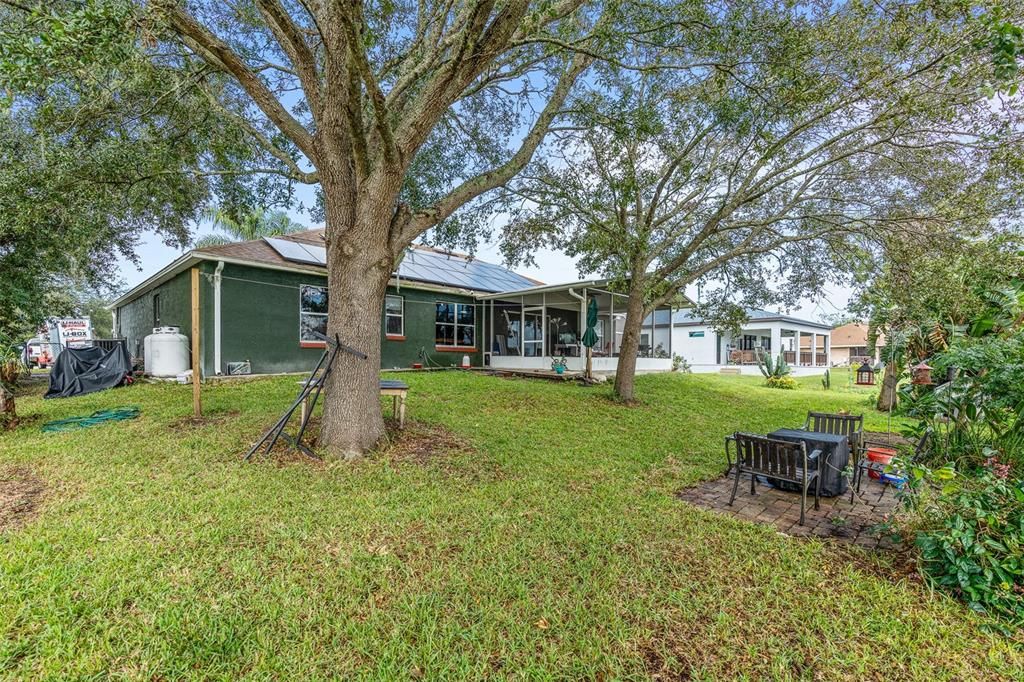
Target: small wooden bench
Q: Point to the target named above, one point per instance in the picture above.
(396, 390)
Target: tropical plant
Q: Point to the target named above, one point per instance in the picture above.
(249, 225)
(970, 531)
(980, 411)
(10, 369)
(826, 380)
(777, 367)
(776, 371)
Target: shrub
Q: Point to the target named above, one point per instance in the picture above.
(785, 382)
(970, 530)
(679, 364)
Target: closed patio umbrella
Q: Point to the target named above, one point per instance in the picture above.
(590, 335)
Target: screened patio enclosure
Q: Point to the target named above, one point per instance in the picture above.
(527, 329)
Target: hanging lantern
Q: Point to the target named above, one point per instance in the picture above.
(865, 375)
(921, 375)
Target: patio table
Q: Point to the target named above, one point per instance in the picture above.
(835, 455)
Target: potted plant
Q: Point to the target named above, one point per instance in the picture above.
(558, 365)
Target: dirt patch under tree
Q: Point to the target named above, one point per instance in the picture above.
(21, 493)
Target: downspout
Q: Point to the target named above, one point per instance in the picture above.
(583, 312)
(583, 305)
(216, 317)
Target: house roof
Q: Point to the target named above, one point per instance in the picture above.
(422, 265)
(686, 318)
(853, 335)
(597, 284)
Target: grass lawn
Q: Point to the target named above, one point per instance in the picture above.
(544, 542)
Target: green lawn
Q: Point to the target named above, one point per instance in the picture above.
(548, 544)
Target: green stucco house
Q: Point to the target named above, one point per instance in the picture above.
(260, 301)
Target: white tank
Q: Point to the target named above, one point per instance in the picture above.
(165, 352)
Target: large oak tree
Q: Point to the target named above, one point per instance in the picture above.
(398, 112)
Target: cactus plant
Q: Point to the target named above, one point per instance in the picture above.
(772, 368)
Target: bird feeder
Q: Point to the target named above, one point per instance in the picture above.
(865, 375)
(921, 375)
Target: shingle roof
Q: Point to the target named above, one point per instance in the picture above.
(421, 264)
(687, 317)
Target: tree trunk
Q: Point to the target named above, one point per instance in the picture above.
(625, 369)
(359, 266)
(8, 379)
(8, 415)
(888, 396)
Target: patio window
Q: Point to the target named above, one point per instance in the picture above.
(455, 325)
(696, 335)
(394, 317)
(312, 314)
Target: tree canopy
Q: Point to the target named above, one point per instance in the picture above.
(814, 132)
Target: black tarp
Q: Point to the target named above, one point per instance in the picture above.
(85, 370)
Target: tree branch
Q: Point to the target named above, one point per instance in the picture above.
(496, 177)
(217, 53)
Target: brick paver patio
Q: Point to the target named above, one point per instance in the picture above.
(838, 518)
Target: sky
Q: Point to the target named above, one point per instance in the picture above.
(552, 267)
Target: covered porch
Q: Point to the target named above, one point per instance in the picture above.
(528, 329)
(800, 347)
(805, 345)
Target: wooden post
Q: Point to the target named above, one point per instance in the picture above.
(197, 405)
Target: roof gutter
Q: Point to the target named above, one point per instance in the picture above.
(185, 261)
(176, 266)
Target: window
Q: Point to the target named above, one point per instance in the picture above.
(394, 317)
(312, 314)
(455, 325)
(156, 310)
(696, 335)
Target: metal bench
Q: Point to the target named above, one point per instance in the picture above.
(396, 390)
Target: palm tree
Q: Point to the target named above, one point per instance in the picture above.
(254, 224)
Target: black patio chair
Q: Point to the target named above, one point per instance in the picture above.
(849, 425)
(781, 460)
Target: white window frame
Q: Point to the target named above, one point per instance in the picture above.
(455, 324)
(310, 342)
(400, 316)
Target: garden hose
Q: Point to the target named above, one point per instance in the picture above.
(98, 417)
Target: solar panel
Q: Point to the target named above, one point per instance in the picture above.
(421, 266)
(428, 266)
(296, 252)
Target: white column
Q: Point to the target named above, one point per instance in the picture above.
(798, 347)
(814, 349)
(776, 331)
(828, 350)
(544, 326)
(612, 350)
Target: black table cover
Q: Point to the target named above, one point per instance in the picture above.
(835, 455)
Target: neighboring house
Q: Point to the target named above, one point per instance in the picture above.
(850, 345)
(260, 301)
(708, 350)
